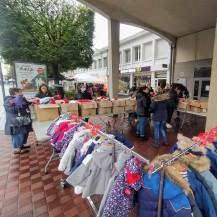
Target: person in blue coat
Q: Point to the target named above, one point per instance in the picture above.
(175, 202)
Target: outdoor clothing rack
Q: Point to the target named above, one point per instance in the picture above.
(174, 158)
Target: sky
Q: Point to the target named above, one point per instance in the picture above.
(101, 31)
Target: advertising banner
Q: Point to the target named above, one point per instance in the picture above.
(30, 76)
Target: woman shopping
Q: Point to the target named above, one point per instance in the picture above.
(18, 119)
(159, 107)
(143, 104)
(43, 92)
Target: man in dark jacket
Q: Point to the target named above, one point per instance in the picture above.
(172, 104)
(143, 105)
(159, 109)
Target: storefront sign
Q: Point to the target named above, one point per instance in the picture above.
(30, 76)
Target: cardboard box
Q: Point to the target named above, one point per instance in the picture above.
(88, 112)
(104, 104)
(194, 103)
(195, 109)
(204, 105)
(46, 112)
(103, 111)
(130, 108)
(182, 105)
(88, 105)
(118, 109)
(69, 107)
(118, 102)
(130, 101)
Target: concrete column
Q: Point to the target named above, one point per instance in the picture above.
(113, 57)
(153, 80)
(131, 80)
(212, 102)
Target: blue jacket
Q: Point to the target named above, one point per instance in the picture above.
(202, 197)
(175, 202)
(159, 110)
(213, 158)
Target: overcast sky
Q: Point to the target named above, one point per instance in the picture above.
(101, 31)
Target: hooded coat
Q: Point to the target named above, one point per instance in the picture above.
(175, 202)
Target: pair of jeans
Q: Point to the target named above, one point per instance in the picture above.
(17, 140)
(160, 131)
(141, 128)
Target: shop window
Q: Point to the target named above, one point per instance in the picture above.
(127, 56)
(124, 84)
(205, 88)
(202, 72)
(196, 88)
(136, 54)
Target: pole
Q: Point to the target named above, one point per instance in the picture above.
(2, 81)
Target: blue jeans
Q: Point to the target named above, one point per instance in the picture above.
(141, 128)
(160, 131)
(17, 140)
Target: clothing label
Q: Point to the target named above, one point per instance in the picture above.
(87, 159)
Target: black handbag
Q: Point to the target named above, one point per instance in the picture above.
(22, 120)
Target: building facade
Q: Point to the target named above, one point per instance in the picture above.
(144, 57)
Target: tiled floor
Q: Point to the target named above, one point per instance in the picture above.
(26, 191)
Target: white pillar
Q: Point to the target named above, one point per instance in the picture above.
(113, 57)
(153, 80)
(212, 102)
(131, 80)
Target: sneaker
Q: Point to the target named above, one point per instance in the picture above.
(17, 151)
(25, 146)
(169, 126)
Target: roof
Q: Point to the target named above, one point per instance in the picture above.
(169, 19)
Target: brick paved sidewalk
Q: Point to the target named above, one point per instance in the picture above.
(25, 191)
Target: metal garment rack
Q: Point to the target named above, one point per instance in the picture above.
(174, 158)
(135, 154)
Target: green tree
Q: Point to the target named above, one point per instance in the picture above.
(54, 32)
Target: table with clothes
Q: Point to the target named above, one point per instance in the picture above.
(95, 165)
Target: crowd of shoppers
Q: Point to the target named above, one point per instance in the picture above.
(158, 106)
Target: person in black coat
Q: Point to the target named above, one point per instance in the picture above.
(43, 92)
(143, 105)
(159, 107)
(172, 103)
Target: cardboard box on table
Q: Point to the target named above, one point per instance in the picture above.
(87, 108)
(130, 102)
(71, 107)
(130, 108)
(118, 106)
(183, 105)
(47, 112)
(204, 107)
(104, 107)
